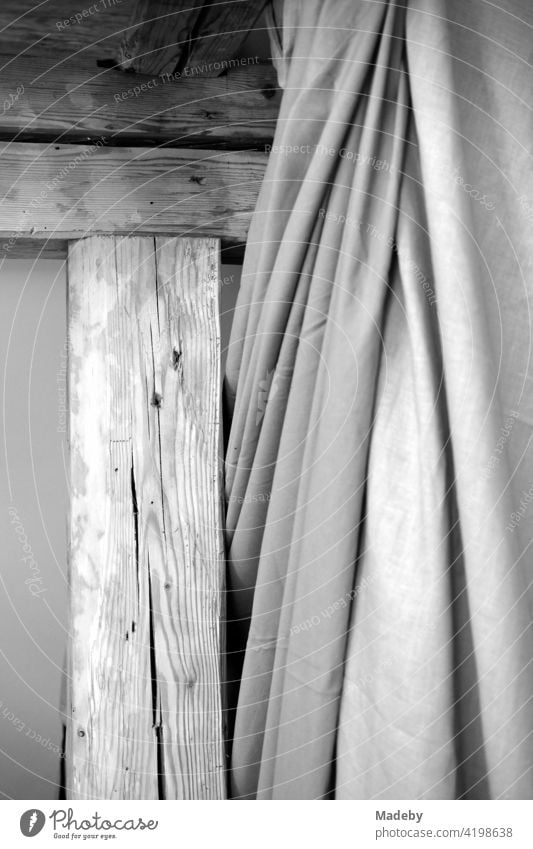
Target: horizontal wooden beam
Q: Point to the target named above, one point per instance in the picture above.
(60, 83)
(59, 192)
(239, 110)
(22, 248)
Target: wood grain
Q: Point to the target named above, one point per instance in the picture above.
(65, 192)
(73, 91)
(169, 35)
(50, 31)
(158, 35)
(146, 553)
(221, 30)
(238, 110)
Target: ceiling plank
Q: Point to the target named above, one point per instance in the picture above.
(63, 192)
(61, 82)
(221, 30)
(56, 32)
(238, 110)
(158, 35)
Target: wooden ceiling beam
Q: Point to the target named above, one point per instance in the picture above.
(60, 192)
(60, 82)
(238, 110)
(57, 249)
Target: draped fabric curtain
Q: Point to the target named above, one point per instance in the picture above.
(379, 469)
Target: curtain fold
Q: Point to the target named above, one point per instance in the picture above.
(379, 395)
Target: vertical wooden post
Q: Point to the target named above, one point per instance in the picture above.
(145, 530)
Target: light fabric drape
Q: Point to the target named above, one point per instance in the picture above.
(379, 468)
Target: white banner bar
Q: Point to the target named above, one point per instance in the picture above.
(267, 825)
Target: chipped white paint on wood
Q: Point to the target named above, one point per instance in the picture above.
(145, 529)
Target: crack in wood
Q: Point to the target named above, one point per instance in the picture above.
(156, 276)
(176, 359)
(157, 714)
(135, 531)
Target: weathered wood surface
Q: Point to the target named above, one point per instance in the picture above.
(145, 530)
(221, 31)
(238, 110)
(71, 90)
(158, 35)
(52, 31)
(64, 191)
(169, 35)
(48, 37)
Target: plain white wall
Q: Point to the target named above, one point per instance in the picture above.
(33, 496)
